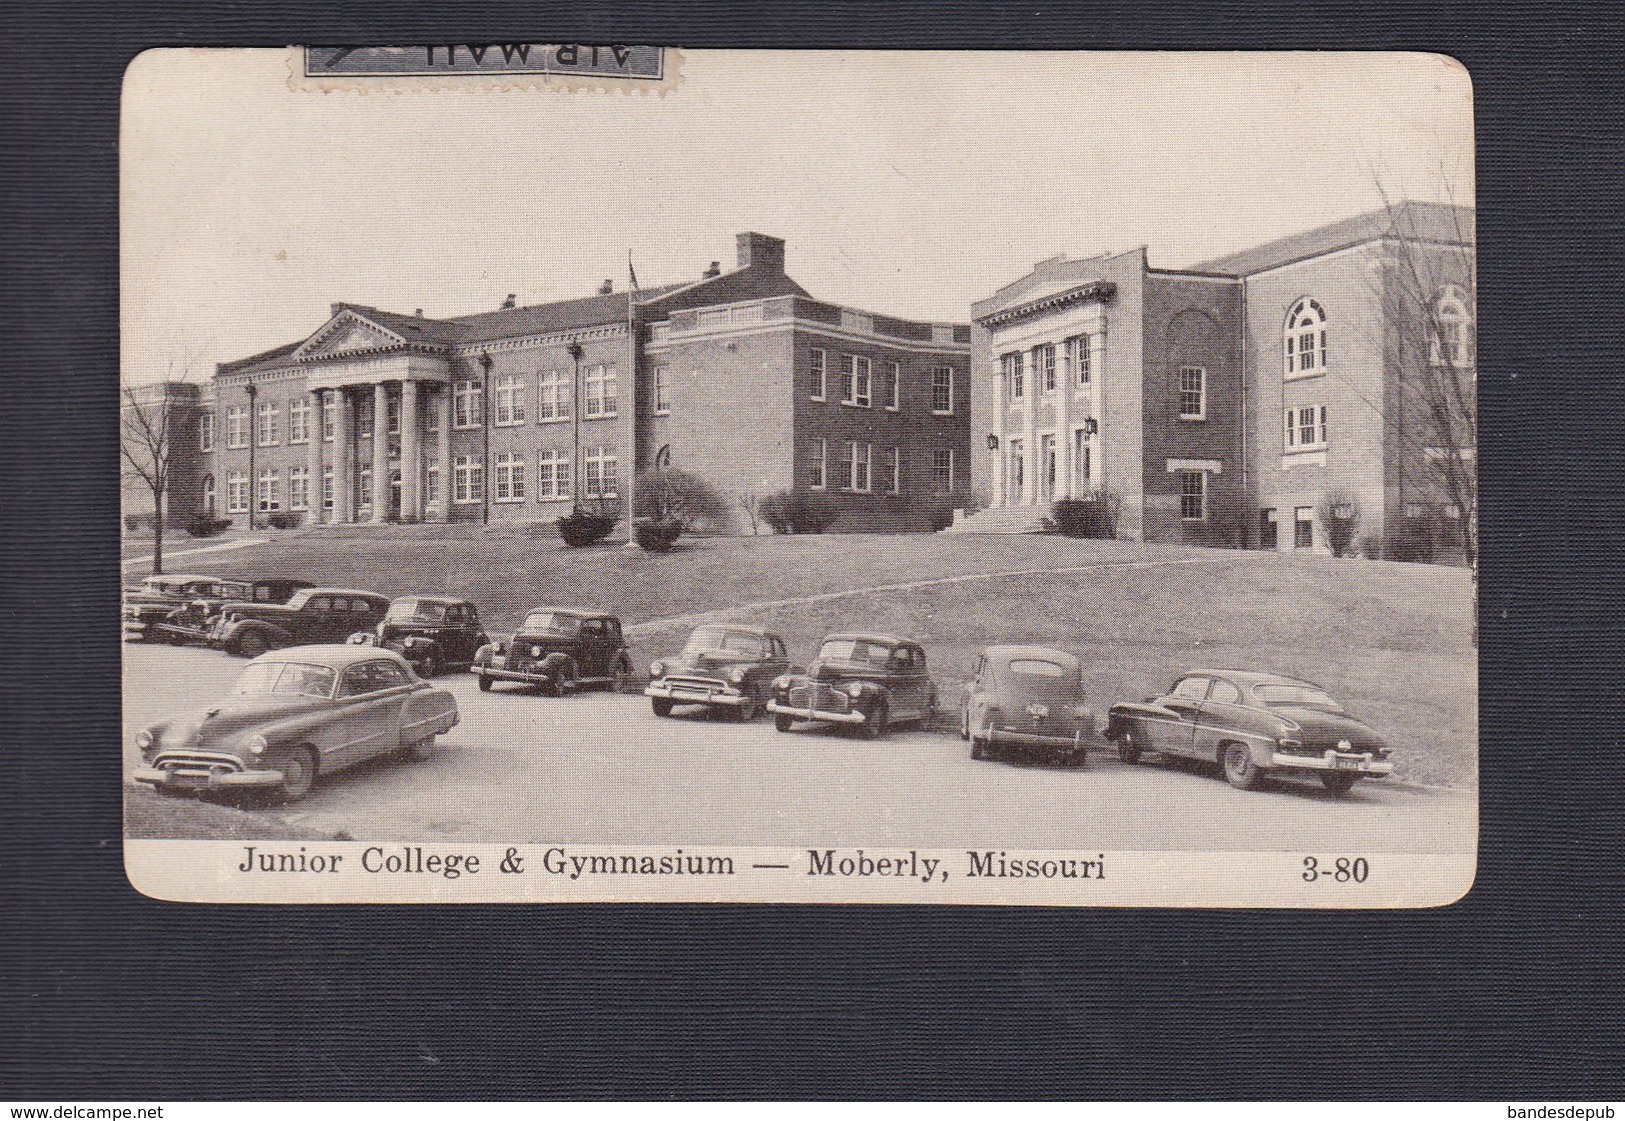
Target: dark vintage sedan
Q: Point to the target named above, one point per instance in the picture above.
(193, 621)
(1029, 698)
(155, 598)
(434, 633)
(1253, 725)
(724, 668)
(559, 649)
(295, 715)
(313, 615)
(864, 681)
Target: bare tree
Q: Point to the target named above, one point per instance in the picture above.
(751, 503)
(145, 445)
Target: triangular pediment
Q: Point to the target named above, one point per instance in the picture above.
(348, 332)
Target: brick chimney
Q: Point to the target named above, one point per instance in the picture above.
(334, 309)
(762, 252)
(509, 302)
(713, 269)
(606, 288)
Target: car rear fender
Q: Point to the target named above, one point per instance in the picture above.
(274, 635)
(428, 710)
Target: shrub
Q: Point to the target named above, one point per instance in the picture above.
(137, 522)
(586, 526)
(790, 512)
(1370, 546)
(1339, 514)
(774, 509)
(283, 519)
(204, 526)
(665, 494)
(1094, 517)
(655, 535)
(1412, 538)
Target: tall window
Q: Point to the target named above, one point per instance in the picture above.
(553, 394)
(429, 410)
(467, 480)
(818, 375)
(205, 432)
(299, 488)
(1305, 339)
(237, 427)
(942, 391)
(330, 415)
(892, 385)
(1077, 353)
(208, 496)
(466, 404)
(392, 414)
(431, 481)
(942, 470)
(363, 488)
(856, 378)
(510, 401)
(299, 420)
(327, 488)
(1044, 367)
(269, 495)
(1303, 527)
(818, 464)
(1015, 378)
(1018, 465)
(510, 477)
(237, 492)
(1452, 334)
(859, 460)
(1192, 393)
(552, 475)
(1305, 428)
(1193, 496)
(1080, 459)
(602, 473)
(603, 387)
(895, 472)
(662, 391)
(270, 430)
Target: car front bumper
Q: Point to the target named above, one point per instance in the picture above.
(694, 695)
(807, 713)
(501, 673)
(198, 780)
(1363, 764)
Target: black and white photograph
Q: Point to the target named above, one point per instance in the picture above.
(573, 474)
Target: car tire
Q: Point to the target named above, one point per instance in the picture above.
(430, 666)
(782, 721)
(623, 677)
(874, 722)
(1239, 769)
(1128, 748)
(564, 683)
(1337, 782)
(298, 774)
(978, 748)
(747, 711)
(660, 705)
(485, 683)
(250, 644)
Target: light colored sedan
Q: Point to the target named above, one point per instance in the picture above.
(296, 714)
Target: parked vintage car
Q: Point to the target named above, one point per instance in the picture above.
(1030, 698)
(434, 633)
(561, 650)
(155, 598)
(295, 715)
(1253, 725)
(865, 681)
(313, 615)
(722, 667)
(193, 620)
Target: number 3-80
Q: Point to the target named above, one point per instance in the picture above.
(1343, 870)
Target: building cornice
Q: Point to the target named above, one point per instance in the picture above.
(1097, 291)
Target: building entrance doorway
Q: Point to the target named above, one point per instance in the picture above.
(1047, 464)
(395, 495)
(1268, 532)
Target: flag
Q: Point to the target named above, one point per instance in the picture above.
(630, 271)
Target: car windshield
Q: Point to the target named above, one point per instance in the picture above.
(721, 638)
(236, 591)
(290, 679)
(1274, 695)
(551, 622)
(854, 650)
(416, 611)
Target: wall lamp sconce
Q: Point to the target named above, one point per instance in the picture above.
(992, 442)
(575, 351)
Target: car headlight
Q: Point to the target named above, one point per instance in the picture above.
(855, 689)
(657, 669)
(737, 677)
(256, 745)
(781, 682)
(143, 739)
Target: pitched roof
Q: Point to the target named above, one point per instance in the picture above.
(1423, 220)
(270, 357)
(541, 319)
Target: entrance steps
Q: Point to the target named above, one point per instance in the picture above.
(1002, 519)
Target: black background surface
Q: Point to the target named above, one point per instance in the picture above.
(1514, 993)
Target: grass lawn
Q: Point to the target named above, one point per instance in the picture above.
(1390, 640)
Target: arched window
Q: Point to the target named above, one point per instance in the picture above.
(1452, 329)
(208, 496)
(1304, 340)
(663, 456)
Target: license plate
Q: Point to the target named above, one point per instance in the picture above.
(690, 695)
(1038, 710)
(1350, 764)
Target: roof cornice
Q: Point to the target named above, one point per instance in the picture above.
(1096, 291)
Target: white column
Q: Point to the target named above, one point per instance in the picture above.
(380, 453)
(313, 462)
(1029, 431)
(444, 452)
(1063, 435)
(411, 457)
(344, 461)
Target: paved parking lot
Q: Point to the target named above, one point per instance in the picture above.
(602, 768)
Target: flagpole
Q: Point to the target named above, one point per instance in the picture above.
(632, 395)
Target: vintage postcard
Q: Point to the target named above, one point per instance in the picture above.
(607, 472)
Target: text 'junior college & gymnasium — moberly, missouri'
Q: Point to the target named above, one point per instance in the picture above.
(1217, 404)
